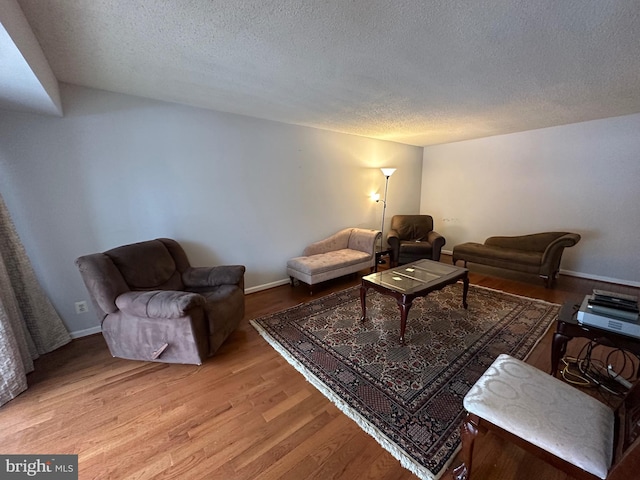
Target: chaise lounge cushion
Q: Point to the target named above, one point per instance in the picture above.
(322, 263)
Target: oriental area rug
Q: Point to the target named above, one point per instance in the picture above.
(409, 398)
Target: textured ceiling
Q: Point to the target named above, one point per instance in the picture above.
(416, 72)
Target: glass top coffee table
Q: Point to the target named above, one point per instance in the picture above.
(410, 281)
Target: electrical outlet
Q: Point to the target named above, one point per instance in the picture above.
(81, 307)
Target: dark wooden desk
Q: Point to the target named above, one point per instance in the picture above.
(568, 328)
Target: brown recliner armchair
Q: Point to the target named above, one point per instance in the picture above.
(154, 306)
(412, 238)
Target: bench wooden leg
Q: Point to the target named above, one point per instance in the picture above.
(468, 433)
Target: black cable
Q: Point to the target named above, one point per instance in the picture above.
(592, 372)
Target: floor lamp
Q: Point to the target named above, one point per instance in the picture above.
(387, 172)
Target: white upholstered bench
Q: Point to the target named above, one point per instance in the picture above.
(563, 425)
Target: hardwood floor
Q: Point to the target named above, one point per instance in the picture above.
(244, 414)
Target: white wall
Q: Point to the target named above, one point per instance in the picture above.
(582, 178)
(118, 169)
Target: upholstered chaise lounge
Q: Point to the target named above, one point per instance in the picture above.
(154, 306)
(348, 251)
(538, 253)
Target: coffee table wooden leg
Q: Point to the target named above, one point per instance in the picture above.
(465, 290)
(404, 313)
(363, 301)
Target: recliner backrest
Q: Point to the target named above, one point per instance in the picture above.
(147, 266)
(412, 227)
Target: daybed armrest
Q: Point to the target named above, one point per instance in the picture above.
(553, 253)
(197, 277)
(567, 240)
(364, 240)
(159, 303)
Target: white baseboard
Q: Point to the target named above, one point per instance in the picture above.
(600, 278)
(85, 332)
(266, 286)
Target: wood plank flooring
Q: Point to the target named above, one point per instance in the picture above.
(244, 414)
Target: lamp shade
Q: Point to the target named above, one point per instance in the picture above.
(387, 172)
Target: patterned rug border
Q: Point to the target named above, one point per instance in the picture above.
(398, 453)
(344, 407)
(530, 299)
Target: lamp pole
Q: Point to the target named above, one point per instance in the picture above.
(387, 172)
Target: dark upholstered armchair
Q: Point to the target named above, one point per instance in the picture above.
(154, 306)
(412, 238)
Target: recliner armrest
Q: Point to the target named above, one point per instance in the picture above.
(159, 303)
(103, 281)
(437, 241)
(393, 236)
(198, 277)
(435, 237)
(393, 240)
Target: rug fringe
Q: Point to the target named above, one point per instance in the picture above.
(399, 454)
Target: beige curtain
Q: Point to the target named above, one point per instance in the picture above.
(29, 325)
